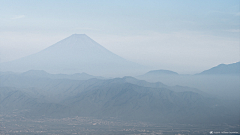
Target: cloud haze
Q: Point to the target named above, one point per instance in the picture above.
(18, 17)
(183, 36)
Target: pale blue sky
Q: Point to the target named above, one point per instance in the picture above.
(185, 36)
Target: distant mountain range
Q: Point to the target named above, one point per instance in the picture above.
(75, 54)
(223, 69)
(161, 72)
(60, 82)
(128, 98)
(44, 74)
(157, 73)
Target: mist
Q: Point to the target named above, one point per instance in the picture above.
(119, 67)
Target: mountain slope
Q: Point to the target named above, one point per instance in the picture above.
(129, 101)
(75, 54)
(126, 98)
(12, 99)
(50, 83)
(223, 69)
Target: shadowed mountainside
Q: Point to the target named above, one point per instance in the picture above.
(125, 98)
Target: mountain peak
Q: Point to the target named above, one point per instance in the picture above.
(79, 35)
(74, 54)
(162, 72)
(78, 38)
(35, 73)
(76, 42)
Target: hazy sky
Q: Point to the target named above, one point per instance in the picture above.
(185, 36)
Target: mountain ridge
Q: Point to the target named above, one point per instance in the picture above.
(223, 69)
(126, 98)
(44, 74)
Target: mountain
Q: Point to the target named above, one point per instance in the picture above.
(44, 74)
(126, 98)
(160, 72)
(153, 74)
(161, 105)
(223, 69)
(131, 101)
(49, 84)
(143, 83)
(12, 98)
(75, 54)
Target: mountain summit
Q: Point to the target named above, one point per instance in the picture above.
(75, 54)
